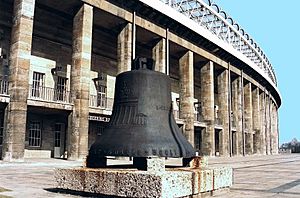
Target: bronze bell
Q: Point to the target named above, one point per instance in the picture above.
(142, 123)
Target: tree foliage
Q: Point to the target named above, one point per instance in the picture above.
(294, 145)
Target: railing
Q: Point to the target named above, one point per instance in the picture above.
(211, 17)
(4, 87)
(49, 94)
(101, 102)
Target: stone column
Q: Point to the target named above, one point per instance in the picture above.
(248, 118)
(80, 83)
(256, 121)
(237, 113)
(207, 101)
(20, 53)
(272, 132)
(186, 73)
(159, 56)
(124, 51)
(223, 94)
(267, 126)
(276, 129)
(262, 123)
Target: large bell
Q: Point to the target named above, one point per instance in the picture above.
(142, 123)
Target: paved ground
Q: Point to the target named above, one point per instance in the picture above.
(255, 176)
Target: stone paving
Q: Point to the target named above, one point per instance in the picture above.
(254, 176)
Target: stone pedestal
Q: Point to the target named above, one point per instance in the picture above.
(155, 182)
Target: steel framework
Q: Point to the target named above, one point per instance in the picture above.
(210, 16)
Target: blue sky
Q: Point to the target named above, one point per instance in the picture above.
(274, 25)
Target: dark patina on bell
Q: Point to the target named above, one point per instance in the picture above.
(142, 123)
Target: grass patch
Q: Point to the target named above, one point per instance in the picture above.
(3, 190)
(4, 196)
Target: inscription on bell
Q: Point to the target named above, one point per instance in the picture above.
(125, 91)
(162, 108)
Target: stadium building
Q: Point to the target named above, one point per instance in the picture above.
(59, 60)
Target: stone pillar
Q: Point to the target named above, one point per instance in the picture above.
(271, 128)
(223, 98)
(80, 83)
(262, 123)
(159, 56)
(276, 129)
(20, 53)
(248, 118)
(207, 102)
(186, 73)
(256, 121)
(238, 113)
(267, 126)
(124, 51)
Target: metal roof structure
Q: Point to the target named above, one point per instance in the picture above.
(210, 16)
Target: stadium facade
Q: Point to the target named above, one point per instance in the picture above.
(59, 60)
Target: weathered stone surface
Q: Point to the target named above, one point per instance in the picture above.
(179, 182)
(222, 177)
(248, 125)
(205, 180)
(257, 137)
(186, 96)
(124, 49)
(80, 83)
(237, 148)
(125, 183)
(155, 164)
(199, 162)
(159, 56)
(207, 102)
(20, 52)
(223, 102)
(37, 154)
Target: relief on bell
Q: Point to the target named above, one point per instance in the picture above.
(142, 122)
(125, 91)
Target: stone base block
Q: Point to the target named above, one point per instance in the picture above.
(222, 177)
(175, 182)
(37, 154)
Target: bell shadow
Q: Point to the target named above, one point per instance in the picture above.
(77, 193)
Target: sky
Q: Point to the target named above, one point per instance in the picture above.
(274, 25)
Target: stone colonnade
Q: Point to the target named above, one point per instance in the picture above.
(248, 114)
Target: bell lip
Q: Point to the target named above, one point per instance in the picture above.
(101, 155)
